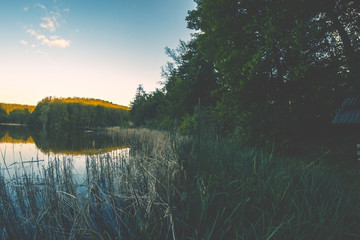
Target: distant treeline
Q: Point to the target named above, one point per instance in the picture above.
(68, 113)
(91, 102)
(9, 107)
(258, 70)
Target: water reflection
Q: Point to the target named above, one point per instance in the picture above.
(26, 150)
(61, 142)
(15, 134)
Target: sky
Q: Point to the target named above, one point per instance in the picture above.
(86, 48)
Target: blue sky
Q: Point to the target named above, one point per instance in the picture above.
(84, 48)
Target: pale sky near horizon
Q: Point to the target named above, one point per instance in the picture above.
(85, 48)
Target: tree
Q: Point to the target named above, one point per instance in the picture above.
(3, 116)
(146, 108)
(19, 116)
(280, 64)
(75, 113)
(136, 112)
(57, 115)
(44, 115)
(345, 18)
(39, 115)
(189, 79)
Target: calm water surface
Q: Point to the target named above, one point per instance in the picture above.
(24, 150)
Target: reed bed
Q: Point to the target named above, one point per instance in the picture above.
(175, 187)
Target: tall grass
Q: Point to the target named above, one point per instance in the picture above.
(176, 187)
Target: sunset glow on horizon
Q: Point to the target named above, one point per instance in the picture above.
(93, 49)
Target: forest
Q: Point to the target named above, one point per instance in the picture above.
(9, 107)
(258, 70)
(230, 153)
(67, 113)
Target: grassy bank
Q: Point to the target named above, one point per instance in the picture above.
(176, 187)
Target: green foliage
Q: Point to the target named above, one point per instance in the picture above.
(61, 114)
(240, 193)
(263, 70)
(190, 78)
(88, 101)
(280, 64)
(177, 187)
(3, 115)
(189, 124)
(191, 81)
(19, 116)
(8, 107)
(39, 115)
(145, 109)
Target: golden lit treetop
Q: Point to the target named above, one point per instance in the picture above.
(8, 107)
(90, 101)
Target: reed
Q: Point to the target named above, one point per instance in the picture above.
(175, 187)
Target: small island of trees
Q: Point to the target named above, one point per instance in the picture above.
(66, 113)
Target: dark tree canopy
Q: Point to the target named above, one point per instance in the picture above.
(3, 115)
(264, 69)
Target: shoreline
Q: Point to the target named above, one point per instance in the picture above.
(13, 124)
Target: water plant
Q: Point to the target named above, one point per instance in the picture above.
(170, 186)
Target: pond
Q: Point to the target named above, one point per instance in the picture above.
(27, 151)
(86, 184)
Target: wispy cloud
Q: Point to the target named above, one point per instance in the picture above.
(23, 42)
(51, 21)
(52, 41)
(26, 9)
(50, 25)
(41, 6)
(32, 32)
(56, 41)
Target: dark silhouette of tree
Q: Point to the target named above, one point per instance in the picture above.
(19, 116)
(281, 64)
(3, 116)
(264, 70)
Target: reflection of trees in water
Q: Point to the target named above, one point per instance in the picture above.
(17, 133)
(62, 141)
(68, 142)
(2, 132)
(74, 142)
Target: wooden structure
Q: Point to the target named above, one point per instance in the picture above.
(349, 112)
(348, 115)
